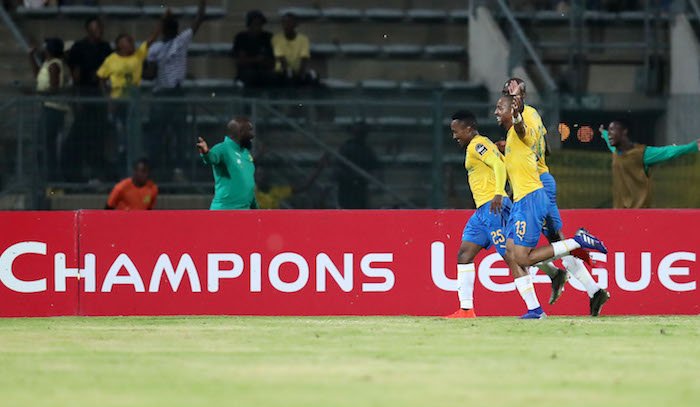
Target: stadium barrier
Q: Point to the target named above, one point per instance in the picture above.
(317, 263)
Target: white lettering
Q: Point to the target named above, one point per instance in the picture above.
(620, 274)
(8, 257)
(134, 278)
(175, 277)
(437, 268)
(214, 273)
(324, 263)
(487, 272)
(255, 273)
(385, 273)
(61, 272)
(666, 271)
(274, 272)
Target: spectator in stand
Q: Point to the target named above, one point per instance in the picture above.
(232, 164)
(50, 81)
(274, 195)
(135, 193)
(123, 69)
(88, 135)
(167, 62)
(630, 165)
(252, 50)
(292, 54)
(353, 188)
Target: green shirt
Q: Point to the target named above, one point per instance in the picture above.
(653, 155)
(234, 176)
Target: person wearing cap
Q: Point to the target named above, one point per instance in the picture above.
(252, 50)
(50, 80)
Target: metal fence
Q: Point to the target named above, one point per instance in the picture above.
(337, 152)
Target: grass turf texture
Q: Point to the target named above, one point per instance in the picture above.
(350, 361)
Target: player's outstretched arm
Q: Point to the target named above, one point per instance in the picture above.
(653, 155)
(518, 122)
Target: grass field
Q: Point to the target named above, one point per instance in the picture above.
(350, 361)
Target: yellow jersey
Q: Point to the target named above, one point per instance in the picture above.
(521, 163)
(482, 179)
(123, 72)
(532, 119)
(293, 50)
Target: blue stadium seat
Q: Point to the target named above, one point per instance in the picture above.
(159, 11)
(200, 48)
(324, 49)
(551, 15)
(460, 85)
(221, 48)
(385, 14)
(359, 49)
(402, 50)
(418, 85)
(593, 15)
(445, 51)
(209, 12)
(459, 16)
(340, 13)
(339, 84)
(122, 11)
(379, 84)
(79, 11)
(37, 12)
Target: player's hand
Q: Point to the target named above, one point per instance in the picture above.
(202, 146)
(515, 106)
(513, 88)
(601, 129)
(501, 144)
(496, 204)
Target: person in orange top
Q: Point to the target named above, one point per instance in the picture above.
(135, 193)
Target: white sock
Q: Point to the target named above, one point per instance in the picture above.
(564, 247)
(548, 269)
(527, 291)
(580, 272)
(466, 274)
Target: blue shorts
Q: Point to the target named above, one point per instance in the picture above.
(527, 218)
(553, 221)
(486, 229)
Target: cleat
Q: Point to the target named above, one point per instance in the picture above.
(599, 298)
(462, 313)
(588, 241)
(558, 282)
(583, 255)
(536, 313)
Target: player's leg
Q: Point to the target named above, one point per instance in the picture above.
(474, 238)
(524, 284)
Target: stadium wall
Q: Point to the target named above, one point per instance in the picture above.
(318, 263)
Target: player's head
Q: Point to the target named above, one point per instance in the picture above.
(124, 44)
(53, 47)
(255, 20)
(289, 23)
(142, 172)
(504, 111)
(94, 28)
(464, 127)
(618, 132)
(170, 27)
(242, 131)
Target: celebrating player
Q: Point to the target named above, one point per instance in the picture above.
(553, 224)
(530, 208)
(487, 181)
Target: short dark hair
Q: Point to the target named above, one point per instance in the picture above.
(519, 81)
(54, 46)
(91, 19)
(624, 123)
(252, 15)
(119, 37)
(467, 118)
(170, 24)
(142, 161)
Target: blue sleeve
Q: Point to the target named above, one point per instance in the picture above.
(653, 155)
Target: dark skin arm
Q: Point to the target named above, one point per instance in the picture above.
(520, 128)
(156, 32)
(200, 16)
(496, 204)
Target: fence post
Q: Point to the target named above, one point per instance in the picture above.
(438, 173)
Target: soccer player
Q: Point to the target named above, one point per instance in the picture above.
(487, 181)
(232, 164)
(530, 208)
(553, 224)
(631, 162)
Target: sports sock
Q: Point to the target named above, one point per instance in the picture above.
(527, 291)
(564, 247)
(466, 274)
(580, 272)
(548, 268)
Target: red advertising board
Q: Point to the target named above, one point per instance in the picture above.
(323, 263)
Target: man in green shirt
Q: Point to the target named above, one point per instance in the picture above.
(232, 164)
(631, 162)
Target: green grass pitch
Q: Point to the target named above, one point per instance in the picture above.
(350, 361)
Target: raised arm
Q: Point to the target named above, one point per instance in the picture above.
(518, 122)
(604, 135)
(200, 16)
(155, 33)
(653, 155)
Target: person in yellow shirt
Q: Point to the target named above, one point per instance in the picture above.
(485, 228)
(530, 208)
(123, 69)
(292, 54)
(553, 224)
